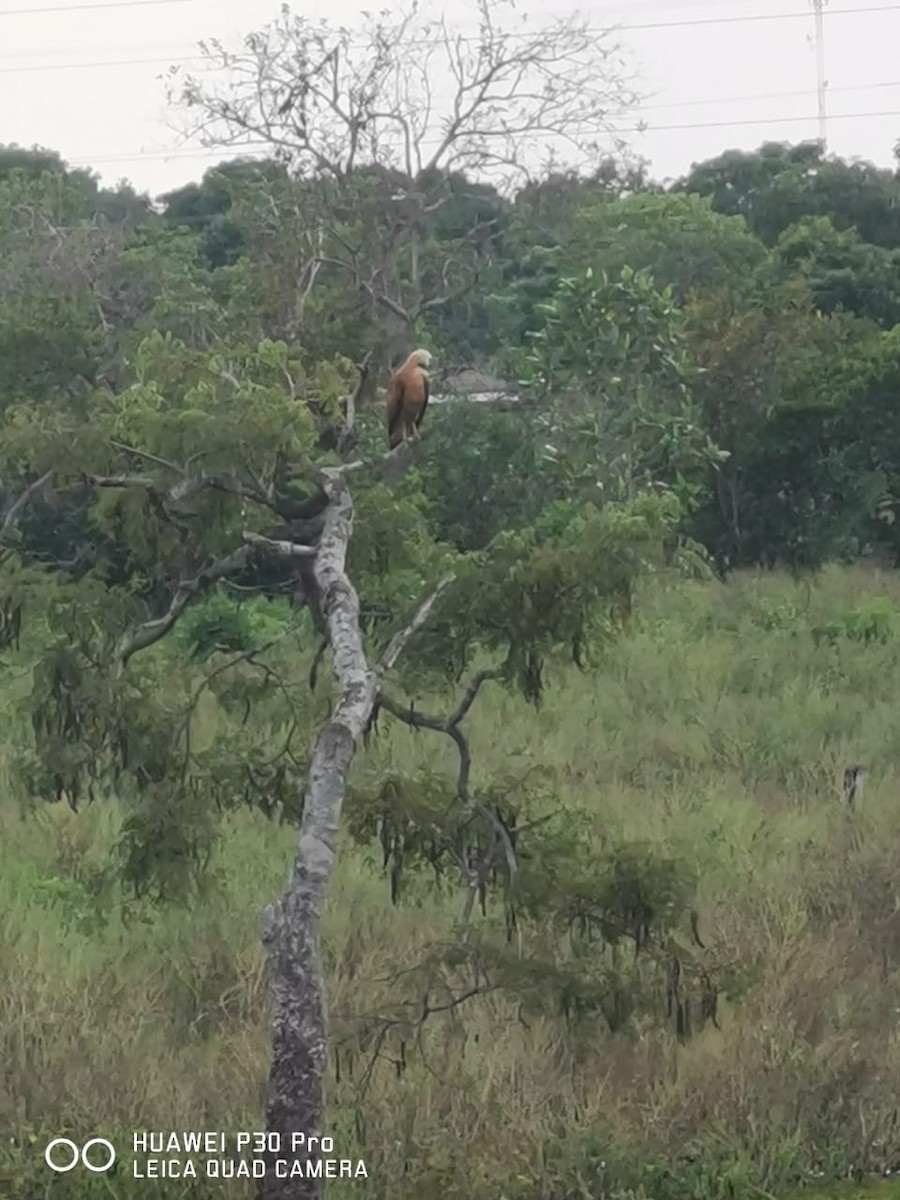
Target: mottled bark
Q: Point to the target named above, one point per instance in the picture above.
(290, 926)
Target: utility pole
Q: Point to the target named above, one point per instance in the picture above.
(821, 82)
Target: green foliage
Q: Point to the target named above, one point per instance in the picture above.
(224, 623)
(844, 272)
(205, 208)
(874, 621)
(680, 240)
(471, 229)
(561, 586)
(870, 431)
(594, 922)
(45, 342)
(775, 382)
(777, 185)
(185, 402)
(118, 563)
(485, 470)
(515, 309)
(547, 208)
(82, 904)
(613, 354)
(621, 332)
(166, 843)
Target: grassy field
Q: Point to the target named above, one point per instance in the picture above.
(719, 729)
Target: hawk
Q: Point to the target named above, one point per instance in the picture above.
(407, 397)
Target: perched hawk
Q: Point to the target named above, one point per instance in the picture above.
(407, 397)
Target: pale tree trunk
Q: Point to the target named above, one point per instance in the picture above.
(290, 926)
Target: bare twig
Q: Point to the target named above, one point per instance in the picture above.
(151, 631)
(398, 641)
(282, 548)
(329, 104)
(146, 482)
(366, 96)
(477, 872)
(15, 509)
(161, 462)
(346, 435)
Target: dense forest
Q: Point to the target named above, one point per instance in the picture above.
(600, 921)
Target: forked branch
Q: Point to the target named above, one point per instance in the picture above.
(150, 632)
(501, 847)
(330, 100)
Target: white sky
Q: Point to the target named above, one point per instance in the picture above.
(89, 83)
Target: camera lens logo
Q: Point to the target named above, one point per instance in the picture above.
(60, 1160)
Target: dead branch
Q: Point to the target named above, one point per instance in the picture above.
(147, 482)
(15, 509)
(476, 872)
(151, 631)
(345, 437)
(401, 99)
(332, 100)
(399, 640)
(160, 462)
(281, 548)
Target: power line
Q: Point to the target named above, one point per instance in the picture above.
(109, 62)
(760, 121)
(166, 50)
(196, 58)
(62, 8)
(752, 96)
(832, 12)
(748, 96)
(667, 24)
(681, 23)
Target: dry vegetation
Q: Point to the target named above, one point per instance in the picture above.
(719, 728)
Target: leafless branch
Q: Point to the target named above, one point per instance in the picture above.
(402, 99)
(123, 481)
(162, 462)
(475, 872)
(330, 100)
(399, 640)
(256, 491)
(345, 437)
(151, 631)
(15, 509)
(281, 548)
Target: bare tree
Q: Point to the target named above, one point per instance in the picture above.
(397, 107)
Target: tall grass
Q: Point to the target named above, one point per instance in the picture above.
(718, 729)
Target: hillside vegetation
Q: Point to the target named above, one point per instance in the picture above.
(714, 733)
